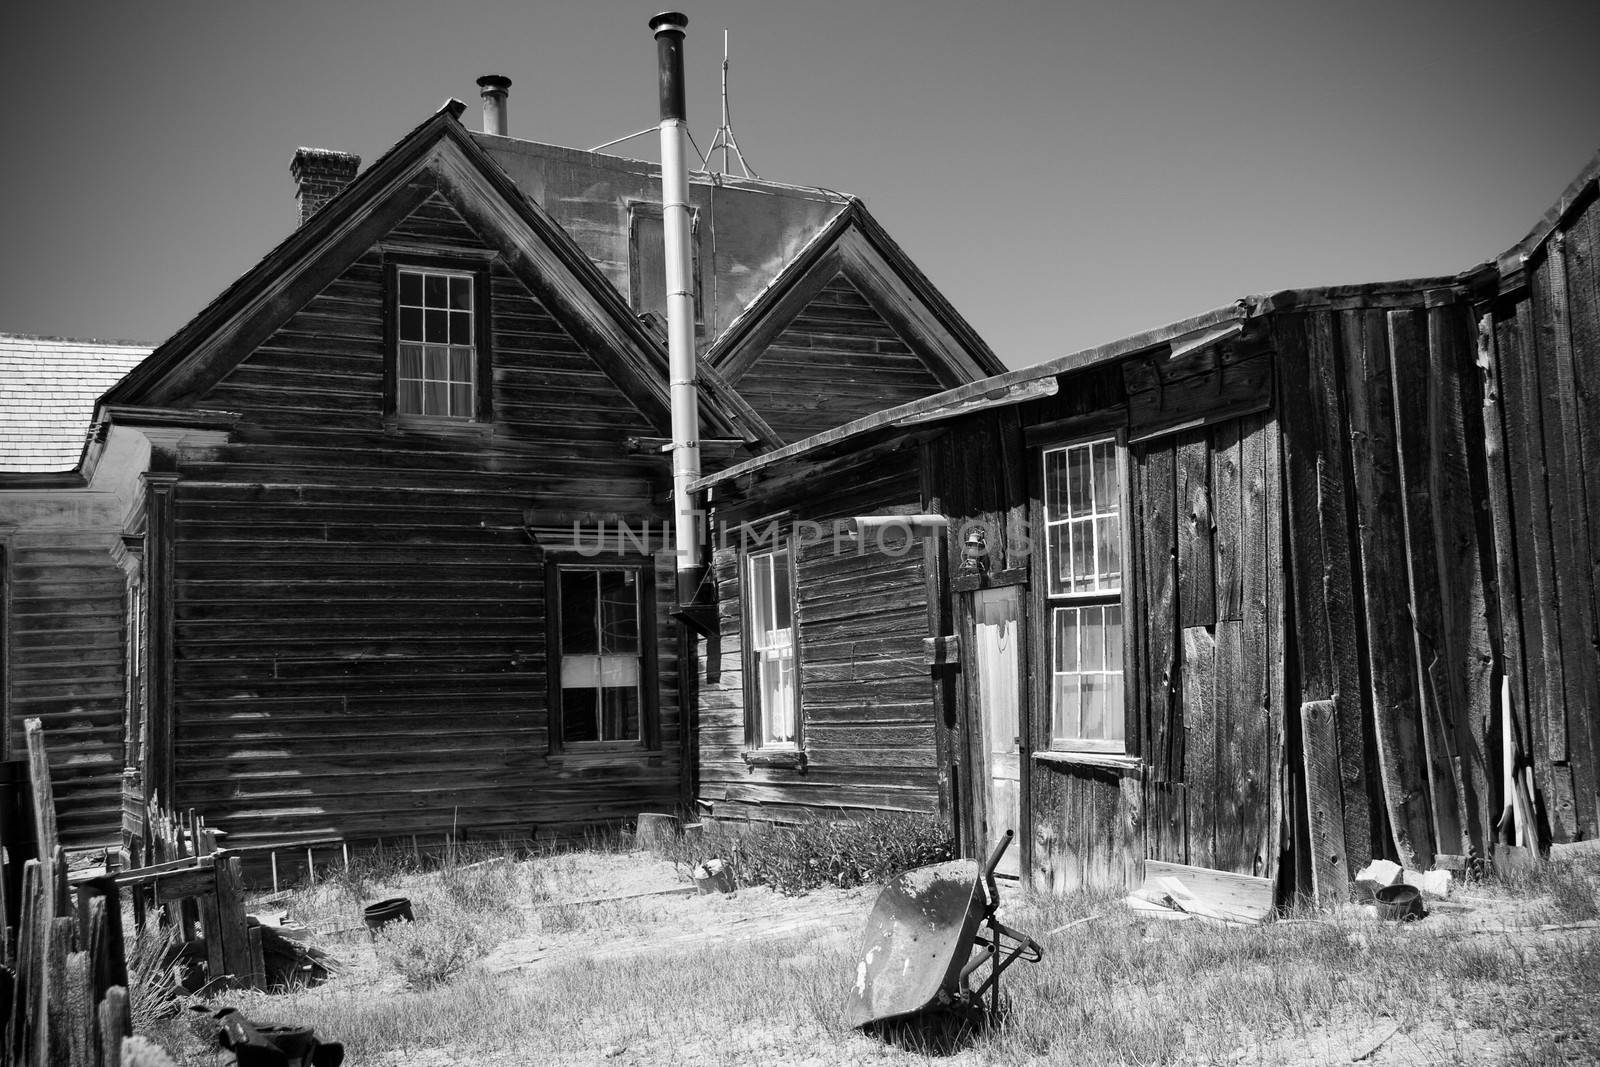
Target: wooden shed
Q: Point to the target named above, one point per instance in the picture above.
(1275, 590)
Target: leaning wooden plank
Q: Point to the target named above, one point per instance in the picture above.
(1392, 679)
(1413, 425)
(1186, 901)
(1519, 375)
(1158, 513)
(44, 805)
(232, 928)
(1248, 898)
(1507, 635)
(82, 1041)
(55, 1045)
(1255, 706)
(1200, 771)
(1570, 517)
(1325, 592)
(1464, 550)
(1330, 867)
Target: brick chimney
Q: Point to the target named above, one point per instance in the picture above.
(319, 175)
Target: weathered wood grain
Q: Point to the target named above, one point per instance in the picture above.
(1330, 869)
(1202, 773)
(1388, 627)
(1197, 604)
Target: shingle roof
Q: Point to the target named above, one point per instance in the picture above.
(48, 388)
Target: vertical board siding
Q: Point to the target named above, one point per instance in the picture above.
(65, 631)
(867, 720)
(838, 360)
(1085, 829)
(1546, 361)
(359, 617)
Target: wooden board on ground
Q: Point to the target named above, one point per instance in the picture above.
(1235, 895)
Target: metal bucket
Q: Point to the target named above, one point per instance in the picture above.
(1400, 903)
(385, 912)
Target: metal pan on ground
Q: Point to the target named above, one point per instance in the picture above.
(931, 934)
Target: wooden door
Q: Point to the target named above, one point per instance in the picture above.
(997, 699)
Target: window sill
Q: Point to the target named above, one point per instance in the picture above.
(1110, 760)
(598, 752)
(789, 759)
(438, 425)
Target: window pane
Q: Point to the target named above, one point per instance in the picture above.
(410, 324)
(1107, 480)
(579, 612)
(1060, 550)
(461, 327)
(1093, 640)
(1055, 484)
(461, 292)
(1082, 555)
(434, 295)
(758, 587)
(579, 721)
(1080, 496)
(1115, 709)
(436, 327)
(619, 713)
(1109, 544)
(1064, 708)
(1066, 639)
(1094, 707)
(619, 612)
(782, 612)
(1113, 639)
(411, 288)
(461, 365)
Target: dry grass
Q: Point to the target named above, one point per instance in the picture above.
(1113, 990)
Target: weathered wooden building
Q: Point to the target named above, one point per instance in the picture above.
(1293, 584)
(63, 608)
(397, 546)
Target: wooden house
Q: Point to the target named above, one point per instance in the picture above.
(1300, 582)
(63, 605)
(399, 539)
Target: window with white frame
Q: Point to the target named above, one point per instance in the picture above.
(1083, 518)
(771, 660)
(436, 356)
(601, 625)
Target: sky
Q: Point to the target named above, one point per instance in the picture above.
(1066, 174)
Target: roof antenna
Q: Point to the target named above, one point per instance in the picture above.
(724, 138)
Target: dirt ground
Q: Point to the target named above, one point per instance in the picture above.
(621, 906)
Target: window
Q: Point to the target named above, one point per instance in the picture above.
(1083, 551)
(647, 260)
(603, 669)
(436, 371)
(770, 661)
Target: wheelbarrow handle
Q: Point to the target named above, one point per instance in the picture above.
(999, 851)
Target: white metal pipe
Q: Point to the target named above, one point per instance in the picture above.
(683, 377)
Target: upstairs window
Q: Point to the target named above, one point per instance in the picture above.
(436, 372)
(1083, 517)
(771, 661)
(602, 621)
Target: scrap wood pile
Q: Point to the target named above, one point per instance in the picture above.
(64, 983)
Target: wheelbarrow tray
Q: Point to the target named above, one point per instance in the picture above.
(918, 938)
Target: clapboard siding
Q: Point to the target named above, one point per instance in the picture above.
(64, 626)
(359, 616)
(836, 361)
(866, 707)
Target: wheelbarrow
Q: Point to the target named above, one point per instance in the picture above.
(929, 939)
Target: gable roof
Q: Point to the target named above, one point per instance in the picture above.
(856, 245)
(48, 388)
(438, 155)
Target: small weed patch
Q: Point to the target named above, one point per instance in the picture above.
(429, 952)
(843, 854)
